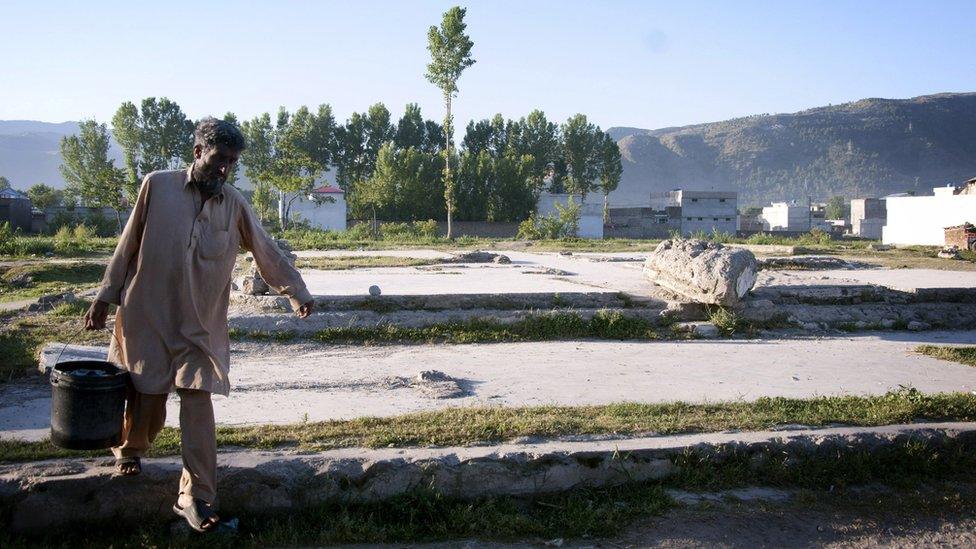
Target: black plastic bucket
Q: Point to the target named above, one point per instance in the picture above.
(87, 404)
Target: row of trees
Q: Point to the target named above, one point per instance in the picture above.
(393, 170)
(403, 171)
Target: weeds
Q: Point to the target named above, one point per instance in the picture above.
(725, 319)
(37, 279)
(962, 355)
(465, 426)
(543, 327)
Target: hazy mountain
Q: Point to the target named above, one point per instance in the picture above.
(870, 147)
(30, 151)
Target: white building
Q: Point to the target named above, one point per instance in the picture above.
(868, 217)
(591, 213)
(323, 208)
(786, 216)
(921, 220)
(701, 211)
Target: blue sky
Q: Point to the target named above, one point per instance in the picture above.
(645, 64)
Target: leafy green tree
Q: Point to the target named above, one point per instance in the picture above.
(256, 159)
(233, 175)
(378, 130)
(379, 191)
(89, 173)
(411, 181)
(166, 136)
(450, 51)
(4, 183)
(43, 196)
(413, 131)
(580, 147)
(837, 208)
(610, 170)
(352, 164)
(536, 136)
(410, 130)
(128, 133)
(497, 179)
(289, 157)
(513, 197)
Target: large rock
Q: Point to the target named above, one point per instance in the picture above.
(253, 284)
(704, 272)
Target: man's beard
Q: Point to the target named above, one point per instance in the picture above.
(210, 187)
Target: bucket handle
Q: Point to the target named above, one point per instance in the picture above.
(74, 337)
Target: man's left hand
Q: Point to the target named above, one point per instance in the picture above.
(305, 310)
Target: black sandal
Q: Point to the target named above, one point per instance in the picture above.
(128, 466)
(200, 516)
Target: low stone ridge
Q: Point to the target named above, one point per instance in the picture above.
(811, 263)
(278, 322)
(51, 495)
(478, 256)
(825, 304)
(446, 302)
(50, 302)
(702, 271)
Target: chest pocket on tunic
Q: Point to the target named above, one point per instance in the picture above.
(213, 243)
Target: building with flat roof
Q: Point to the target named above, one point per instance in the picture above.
(922, 220)
(868, 217)
(791, 216)
(701, 211)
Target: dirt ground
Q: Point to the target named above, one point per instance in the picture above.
(797, 523)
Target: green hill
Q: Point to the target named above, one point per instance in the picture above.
(870, 147)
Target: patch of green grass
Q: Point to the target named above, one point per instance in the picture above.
(829, 467)
(919, 479)
(725, 319)
(465, 426)
(546, 327)
(30, 280)
(22, 337)
(962, 355)
(71, 308)
(20, 246)
(360, 262)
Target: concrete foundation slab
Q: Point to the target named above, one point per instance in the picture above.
(289, 383)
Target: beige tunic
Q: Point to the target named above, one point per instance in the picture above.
(171, 277)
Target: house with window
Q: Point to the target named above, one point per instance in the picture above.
(678, 211)
(793, 216)
(701, 211)
(323, 208)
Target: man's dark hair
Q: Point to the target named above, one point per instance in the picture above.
(211, 132)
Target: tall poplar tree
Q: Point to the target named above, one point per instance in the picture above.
(128, 133)
(87, 170)
(610, 171)
(580, 146)
(450, 52)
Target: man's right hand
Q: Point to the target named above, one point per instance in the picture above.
(96, 315)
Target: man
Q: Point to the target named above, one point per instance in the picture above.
(171, 277)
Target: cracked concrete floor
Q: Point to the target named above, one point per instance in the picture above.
(287, 383)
